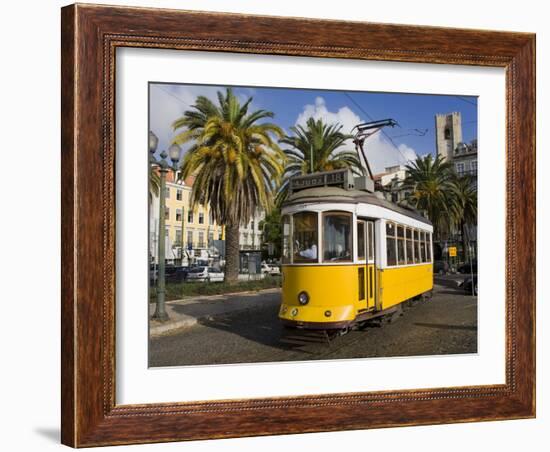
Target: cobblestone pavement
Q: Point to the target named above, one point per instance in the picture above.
(446, 324)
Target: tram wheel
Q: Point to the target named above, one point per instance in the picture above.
(343, 331)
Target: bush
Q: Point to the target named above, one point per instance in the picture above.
(176, 291)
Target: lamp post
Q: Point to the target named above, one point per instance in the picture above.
(174, 151)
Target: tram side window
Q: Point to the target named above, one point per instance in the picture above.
(370, 242)
(286, 239)
(422, 246)
(428, 247)
(391, 249)
(416, 247)
(304, 238)
(337, 237)
(400, 245)
(410, 246)
(361, 255)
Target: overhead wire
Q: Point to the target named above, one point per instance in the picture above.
(381, 130)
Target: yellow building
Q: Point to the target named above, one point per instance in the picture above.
(196, 227)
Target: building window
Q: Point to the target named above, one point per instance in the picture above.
(201, 218)
(305, 237)
(179, 194)
(473, 166)
(167, 192)
(447, 133)
(460, 168)
(178, 236)
(190, 216)
(391, 248)
(189, 238)
(210, 238)
(201, 239)
(337, 237)
(178, 215)
(167, 213)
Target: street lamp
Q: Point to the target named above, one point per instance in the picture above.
(174, 151)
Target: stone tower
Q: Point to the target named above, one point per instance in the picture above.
(448, 133)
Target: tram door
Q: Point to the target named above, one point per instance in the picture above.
(365, 255)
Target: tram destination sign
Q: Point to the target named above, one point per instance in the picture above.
(340, 178)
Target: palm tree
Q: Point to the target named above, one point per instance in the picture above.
(463, 206)
(317, 147)
(236, 162)
(429, 183)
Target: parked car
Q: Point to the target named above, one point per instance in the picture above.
(467, 285)
(269, 269)
(467, 268)
(172, 274)
(439, 267)
(176, 274)
(205, 274)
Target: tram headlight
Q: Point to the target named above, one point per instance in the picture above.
(303, 298)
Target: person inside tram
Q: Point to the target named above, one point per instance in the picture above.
(310, 252)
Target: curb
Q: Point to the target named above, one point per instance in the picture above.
(158, 330)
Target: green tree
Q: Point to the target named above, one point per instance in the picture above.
(272, 230)
(463, 207)
(429, 182)
(317, 147)
(236, 161)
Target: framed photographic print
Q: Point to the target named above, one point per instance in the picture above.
(281, 225)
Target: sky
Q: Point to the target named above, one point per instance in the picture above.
(415, 114)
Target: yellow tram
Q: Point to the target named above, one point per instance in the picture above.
(348, 254)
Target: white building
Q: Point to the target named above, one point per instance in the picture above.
(389, 183)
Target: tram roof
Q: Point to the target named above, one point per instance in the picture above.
(340, 195)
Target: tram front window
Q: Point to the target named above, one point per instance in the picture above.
(286, 239)
(337, 237)
(305, 237)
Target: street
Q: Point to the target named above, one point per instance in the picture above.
(444, 324)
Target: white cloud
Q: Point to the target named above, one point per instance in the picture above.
(346, 117)
(380, 152)
(168, 102)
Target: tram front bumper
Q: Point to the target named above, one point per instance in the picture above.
(316, 317)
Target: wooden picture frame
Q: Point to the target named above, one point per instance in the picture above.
(90, 36)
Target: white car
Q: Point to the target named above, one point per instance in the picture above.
(270, 269)
(205, 274)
